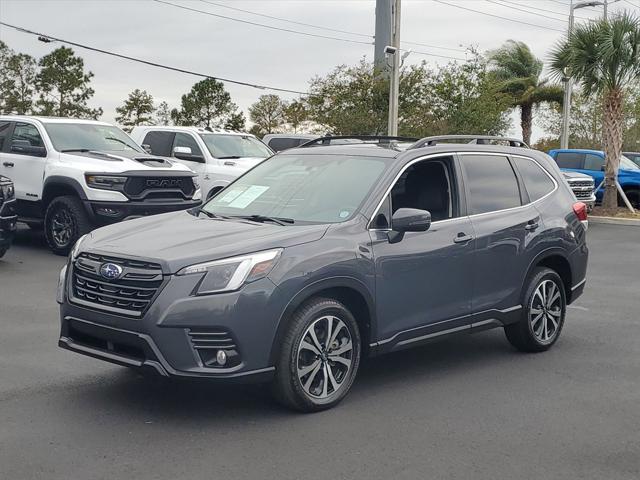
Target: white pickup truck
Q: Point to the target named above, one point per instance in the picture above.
(217, 156)
(72, 175)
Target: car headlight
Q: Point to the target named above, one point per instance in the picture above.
(76, 248)
(196, 182)
(105, 182)
(62, 278)
(230, 274)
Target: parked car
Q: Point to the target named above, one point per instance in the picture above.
(283, 141)
(217, 156)
(633, 156)
(8, 217)
(72, 175)
(583, 187)
(321, 255)
(591, 162)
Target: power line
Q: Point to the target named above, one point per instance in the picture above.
(498, 16)
(526, 11)
(563, 14)
(321, 27)
(327, 37)
(632, 4)
(147, 62)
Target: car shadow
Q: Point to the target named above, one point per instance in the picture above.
(128, 392)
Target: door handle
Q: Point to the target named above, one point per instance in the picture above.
(531, 225)
(7, 164)
(462, 238)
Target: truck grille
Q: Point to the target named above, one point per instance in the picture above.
(581, 183)
(130, 294)
(178, 187)
(582, 189)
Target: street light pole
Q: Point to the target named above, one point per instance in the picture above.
(394, 84)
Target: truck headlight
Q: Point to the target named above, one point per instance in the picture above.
(7, 191)
(230, 274)
(62, 279)
(105, 182)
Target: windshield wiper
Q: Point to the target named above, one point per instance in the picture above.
(81, 150)
(230, 157)
(121, 141)
(265, 218)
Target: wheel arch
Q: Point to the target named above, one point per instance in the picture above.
(556, 260)
(352, 293)
(56, 186)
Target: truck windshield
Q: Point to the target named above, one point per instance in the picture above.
(628, 164)
(235, 146)
(302, 189)
(88, 136)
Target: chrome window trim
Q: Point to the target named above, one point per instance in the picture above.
(435, 155)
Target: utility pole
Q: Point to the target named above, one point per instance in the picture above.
(383, 33)
(394, 84)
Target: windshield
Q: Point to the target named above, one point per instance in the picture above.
(89, 136)
(628, 164)
(304, 188)
(235, 146)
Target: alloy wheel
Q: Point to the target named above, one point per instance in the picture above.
(324, 357)
(545, 311)
(62, 227)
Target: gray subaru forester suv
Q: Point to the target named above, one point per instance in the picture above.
(324, 254)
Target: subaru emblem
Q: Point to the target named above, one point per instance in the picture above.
(110, 271)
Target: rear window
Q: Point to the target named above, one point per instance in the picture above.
(279, 144)
(570, 159)
(159, 142)
(492, 183)
(536, 180)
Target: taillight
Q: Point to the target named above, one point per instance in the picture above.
(580, 209)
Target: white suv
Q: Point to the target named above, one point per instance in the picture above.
(72, 175)
(217, 156)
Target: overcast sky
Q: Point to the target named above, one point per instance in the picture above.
(220, 47)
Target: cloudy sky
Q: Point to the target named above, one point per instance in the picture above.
(183, 38)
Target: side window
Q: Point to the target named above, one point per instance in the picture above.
(5, 127)
(570, 159)
(427, 185)
(536, 180)
(159, 142)
(492, 183)
(279, 144)
(25, 132)
(186, 140)
(593, 162)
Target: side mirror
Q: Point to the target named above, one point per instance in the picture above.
(25, 148)
(147, 148)
(602, 168)
(184, 153)
(408, 220)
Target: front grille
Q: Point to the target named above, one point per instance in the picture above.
(581, 183)
(582, 194)
(582, 189)
(131, 294)
(170, 187)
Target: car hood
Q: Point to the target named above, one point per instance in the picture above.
(575, 175)
(122, 161)
(178, 239)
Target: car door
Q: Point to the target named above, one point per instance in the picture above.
(25, 165)
(594, 166)
(196, 161)
(424, 281)
(503, 222)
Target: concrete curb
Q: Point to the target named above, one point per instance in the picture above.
(632, 222)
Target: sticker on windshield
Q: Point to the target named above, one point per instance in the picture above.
(231, 195)
(344, 214)
(248, 196)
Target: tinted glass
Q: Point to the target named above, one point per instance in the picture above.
(89, 136)
(235, 146)
(279, 144)
(627, 164)
(569, 159)
(492, 183)
(536, 180)
(28, 132)
(159, 142)
(186, 140)
(305, 188)
(593, 162)
(4, 130)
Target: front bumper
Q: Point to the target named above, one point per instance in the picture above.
(104, 213)
(8, 223)
(170, 338)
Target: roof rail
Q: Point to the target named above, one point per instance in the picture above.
(374, 139)
(473, 139)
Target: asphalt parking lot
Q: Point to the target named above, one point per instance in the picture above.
(469, 407)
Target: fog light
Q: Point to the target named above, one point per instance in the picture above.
(221, 357)
(109, 212)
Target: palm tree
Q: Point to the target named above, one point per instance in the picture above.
(518, 73)
(604, 56)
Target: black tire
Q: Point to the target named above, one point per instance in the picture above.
(287, 387)
(633, 196)
(3, 251)
(528, 334)
(65, 213)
